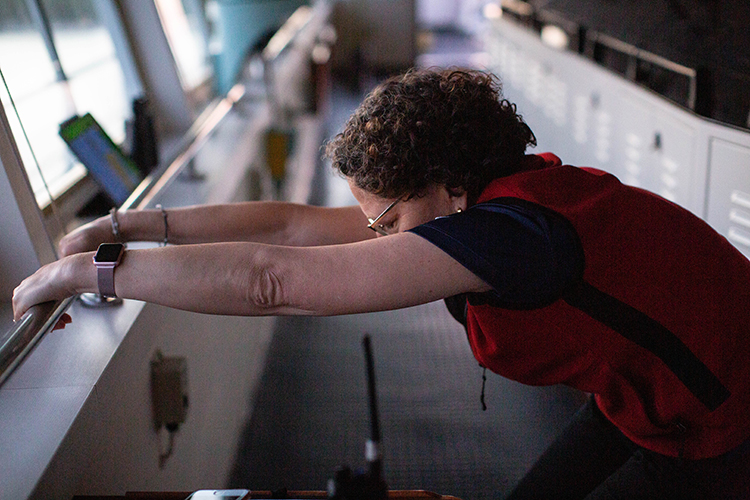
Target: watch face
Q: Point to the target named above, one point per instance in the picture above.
(109, 252)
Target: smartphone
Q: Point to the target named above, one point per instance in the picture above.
(218, 495)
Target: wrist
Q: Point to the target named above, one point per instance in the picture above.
(103, 229)
(139, 225)
(80, 273)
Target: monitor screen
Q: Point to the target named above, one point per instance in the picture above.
(111, 168)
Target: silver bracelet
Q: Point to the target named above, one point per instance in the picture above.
(115, 224)
(166, 225)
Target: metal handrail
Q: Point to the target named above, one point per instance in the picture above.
(285, 35)
(23, 336)
(156, 182)
(278, 44)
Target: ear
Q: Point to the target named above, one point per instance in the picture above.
(458, 198)
(455, 192)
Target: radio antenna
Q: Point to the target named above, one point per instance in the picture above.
(369, 485)
(372, 447)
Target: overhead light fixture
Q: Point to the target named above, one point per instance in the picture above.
(492, 10)
(555, 37)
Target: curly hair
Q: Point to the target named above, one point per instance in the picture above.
(428, 127)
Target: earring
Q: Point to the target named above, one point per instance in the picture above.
(458, 210)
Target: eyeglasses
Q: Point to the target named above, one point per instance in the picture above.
(379, 228)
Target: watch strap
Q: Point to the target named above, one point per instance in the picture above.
(105, 276)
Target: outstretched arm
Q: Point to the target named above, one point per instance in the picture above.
(278, 223)
(256, 279)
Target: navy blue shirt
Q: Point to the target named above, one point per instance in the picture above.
(528, 253)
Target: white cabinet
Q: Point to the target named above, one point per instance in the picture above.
(654, 150)
(728, 207)
(590, 116)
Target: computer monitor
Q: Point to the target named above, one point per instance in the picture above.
(117, 174)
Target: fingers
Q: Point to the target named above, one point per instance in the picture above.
(86, 237)
(19, 304)
(44, 285)
(74, 242)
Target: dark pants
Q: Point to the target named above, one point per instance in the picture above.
(592, 460)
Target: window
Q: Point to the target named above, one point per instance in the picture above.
(59, 58)
(185, 25)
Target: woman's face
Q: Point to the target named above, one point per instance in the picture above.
(407, 214)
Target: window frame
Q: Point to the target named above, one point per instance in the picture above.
(67, 195)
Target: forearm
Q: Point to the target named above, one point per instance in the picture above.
(213, 278)
(208, 278)
(278, 223)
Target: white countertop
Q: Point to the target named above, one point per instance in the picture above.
(42, 398)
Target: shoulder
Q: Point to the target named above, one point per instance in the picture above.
(528, 253)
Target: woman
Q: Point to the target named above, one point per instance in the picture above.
(560, 274)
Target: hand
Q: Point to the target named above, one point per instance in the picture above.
(87, 237)
(56, 281)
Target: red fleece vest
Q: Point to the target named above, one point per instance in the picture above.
(679, 291)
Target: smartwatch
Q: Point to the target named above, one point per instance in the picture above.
(107, 258)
